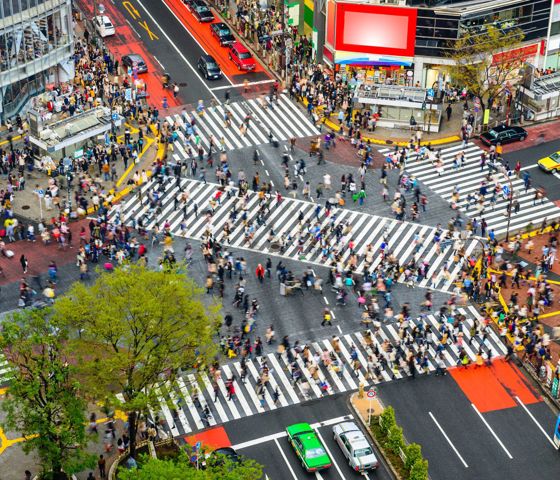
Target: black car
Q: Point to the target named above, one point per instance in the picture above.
(503, 134)
(222, 32)
(134, 60)
(209, 67)
(200, 10)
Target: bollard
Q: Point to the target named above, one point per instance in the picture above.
(361, 390)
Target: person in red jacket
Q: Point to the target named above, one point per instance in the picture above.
(260, 272)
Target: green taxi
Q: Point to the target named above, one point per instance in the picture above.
(308, 447)
(550, 163)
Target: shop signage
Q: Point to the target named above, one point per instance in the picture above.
(554, 388)
(516, 55)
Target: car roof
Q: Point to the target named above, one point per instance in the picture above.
(220, 25)
(208, 58)
(239, 46)
(225, 451)
(104, 18)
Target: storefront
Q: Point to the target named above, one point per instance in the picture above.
(540, 97)
(399, 107)
(377, 75)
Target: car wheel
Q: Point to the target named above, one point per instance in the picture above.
(522, 139)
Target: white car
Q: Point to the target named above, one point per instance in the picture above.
(355, 447)
(104, 26)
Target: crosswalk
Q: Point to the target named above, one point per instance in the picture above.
(469, 178)
(405, 239)
(5, 370)
(192, 395)
(283, 120)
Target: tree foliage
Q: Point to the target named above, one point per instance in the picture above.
(135, 327)
(419, 470)
(42, 402)
(485, 62)
(182, 469)
(395, 439)
(413, 453)
(387, 419)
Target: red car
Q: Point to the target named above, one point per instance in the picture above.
(242, 57)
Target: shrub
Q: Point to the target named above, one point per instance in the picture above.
(395, 439)
(387, 420)
(413, 452)
(419, 470)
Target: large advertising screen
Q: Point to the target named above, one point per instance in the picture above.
(375, 29)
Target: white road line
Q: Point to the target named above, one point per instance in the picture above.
(536, 422)
(132, 26)
(528, 167)
(325, 299)
(176, 48)
(492, 432)
(266, 171)
(330, 454)
(161, 64)
(448, 439)
(339, 329)
(285, 459)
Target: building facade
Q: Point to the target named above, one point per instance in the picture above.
(364, 34)
(36, 49)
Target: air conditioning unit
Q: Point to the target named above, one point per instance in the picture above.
(45, 134)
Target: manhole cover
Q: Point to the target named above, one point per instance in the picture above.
(25, 207)
(388, 142)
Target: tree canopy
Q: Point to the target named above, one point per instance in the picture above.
(43, 401)
(182, 469)
(485, 62)
(132, 329)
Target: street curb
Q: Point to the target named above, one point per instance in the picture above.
(392, 469)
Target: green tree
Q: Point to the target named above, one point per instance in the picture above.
(43, 401)
(395, 439)
(419, 470)
(413, 452)
(134, 327)
(182, 469)
(387, 420)
(485, 61)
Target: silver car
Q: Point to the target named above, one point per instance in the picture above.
(355, 446)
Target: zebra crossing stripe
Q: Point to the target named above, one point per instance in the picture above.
(468, 180)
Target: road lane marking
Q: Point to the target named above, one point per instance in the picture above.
(157, 60)
(492, 431)
(277, 435)
(325, 299)
(448, 439)
(528, 167)
(177, 48)
(285, 459)
(132, 26)
(536, 422)
(330, 454)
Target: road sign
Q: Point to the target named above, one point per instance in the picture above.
(115, 116)
(477, 101)
(197, 445)
(372, 393)
(430, 93)
(40, 192)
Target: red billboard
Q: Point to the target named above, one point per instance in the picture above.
(375, 29)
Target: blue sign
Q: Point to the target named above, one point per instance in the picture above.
(197, 445)
(430, 93)
(115, 116)
(505, 189)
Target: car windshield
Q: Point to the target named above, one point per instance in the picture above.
(212, 66)
(245, 55)
(315, 452)
(493, 133)
(362, 452)
(555, 157)
(224, 31)
(202, 9)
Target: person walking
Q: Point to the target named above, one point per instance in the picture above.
(260, 272)
(101, 465)
(327, 317)
(24, 263)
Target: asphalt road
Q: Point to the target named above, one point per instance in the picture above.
(264, 441)
(528, 157)
(461, 445)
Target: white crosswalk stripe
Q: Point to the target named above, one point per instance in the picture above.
(284, 120)
(365, 229)
(468, 179)
(187, 417)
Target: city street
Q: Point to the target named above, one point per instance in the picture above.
(265, 441)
